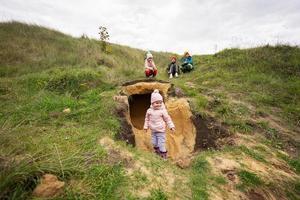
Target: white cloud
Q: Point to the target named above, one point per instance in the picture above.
(200, 26)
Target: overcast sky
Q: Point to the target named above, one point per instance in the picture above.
(199, 26)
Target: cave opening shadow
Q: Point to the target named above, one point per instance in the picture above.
(138, 105)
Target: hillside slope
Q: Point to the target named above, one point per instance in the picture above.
(57, 116)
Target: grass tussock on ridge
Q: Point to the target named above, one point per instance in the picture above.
(267, 77)
(281, 59)
(30, 48)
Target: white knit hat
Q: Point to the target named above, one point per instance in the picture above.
(155, 96)
(149, 55)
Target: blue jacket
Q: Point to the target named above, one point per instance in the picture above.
(187, 60)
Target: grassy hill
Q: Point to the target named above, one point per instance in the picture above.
(254, 93)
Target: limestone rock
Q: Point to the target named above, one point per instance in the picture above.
(67, 110)
(146, 87)
(121, 99)
(179, 92)
(50, 186)
(183, 163)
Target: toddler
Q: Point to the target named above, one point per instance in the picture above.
(156, 119)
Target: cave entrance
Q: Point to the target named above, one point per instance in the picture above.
(179, 144)
(193, 131)
(138, 105)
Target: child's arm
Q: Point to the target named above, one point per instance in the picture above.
(169, 67)
(146, 123)
(146, 65)
(190, 60)
(168, 120)
(154, 66)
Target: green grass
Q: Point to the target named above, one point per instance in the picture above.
(200, 178)
(265, 76)
(43, 72)
(220, 180)
(293, 191)
(19, 177)
(157, 194)
(140, 180)
(106, 180)
(37, 137)
(262, 149)
(272, 135)
(254, 154)
(239, 125)
(248, 180)
(294, 163)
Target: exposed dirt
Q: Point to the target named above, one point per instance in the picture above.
(288, 137)
(268, 171)
(116, 155)
(275, 174)
(252, 195)
(126, 132)
(264, 194)
(225, 164)
(208, 132)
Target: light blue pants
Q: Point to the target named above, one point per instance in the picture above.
(159, 140)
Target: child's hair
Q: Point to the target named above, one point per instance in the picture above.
(155, 96)
(187, 53)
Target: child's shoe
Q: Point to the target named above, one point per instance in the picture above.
(163, 155)
(176, 75)
(156, 150)
(171, 76)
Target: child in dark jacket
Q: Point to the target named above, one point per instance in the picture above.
(173, 69)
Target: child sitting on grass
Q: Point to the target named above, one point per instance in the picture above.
(156, 118)
(187, 63)
(150, 68)
(173, 69)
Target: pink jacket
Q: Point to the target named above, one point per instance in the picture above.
(149, 65)
(156, 120)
